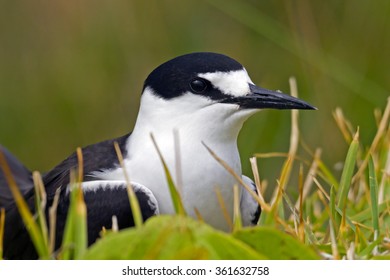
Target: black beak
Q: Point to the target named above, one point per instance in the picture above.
(260, 98)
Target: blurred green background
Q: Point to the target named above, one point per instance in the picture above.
(71, 72)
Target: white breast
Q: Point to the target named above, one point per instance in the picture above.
(195, 121)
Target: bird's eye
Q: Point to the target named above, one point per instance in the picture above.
(198, 85)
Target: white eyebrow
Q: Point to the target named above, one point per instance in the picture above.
(235, 83)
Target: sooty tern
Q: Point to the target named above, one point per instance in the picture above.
(205, 98)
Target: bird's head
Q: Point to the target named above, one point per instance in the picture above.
(208, 87)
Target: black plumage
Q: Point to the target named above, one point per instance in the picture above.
(102, 202)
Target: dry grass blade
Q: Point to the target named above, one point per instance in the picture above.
(380, 132)
(80, 164)
(263, 205)
(294, 141)
(2, 223)
(337, 209)
(40, 205)
(351, 252)
(222, 205)
(40, 189)
(53, 220)
(301, 232)
(385, 177)
(309, 179)
(293, 210)
(134, 203)
(282, 182)
(270, 155)
(198, 215)
(335, 251)
(360, 239)
(179, 173)
(115, 226)
(321, 188)
(343, 225)
(259, 186)
(237, 221)
(294, 135)
(343, 124)
(374, 196)
(81, 232)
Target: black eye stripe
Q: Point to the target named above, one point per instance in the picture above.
(198, 85)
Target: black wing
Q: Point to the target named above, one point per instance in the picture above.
(250, 208)
(21, 175)
(104, 199)
(102, 203)
(96, 157)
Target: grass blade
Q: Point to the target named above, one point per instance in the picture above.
(338, 210)
(384, 186)
(75, 234)
(360, 240)
(343, 124)
(383, 125)
(2, 223)
(40, 205)
(256, 176)
(134, 203)
(333, 239)
(327, 174)
(222, 205)
(367, 213)
(237, 221)
(346, 176)
(67, 250)
(75, 238)
(301, 232)
(277, 205)
(178, 165)
(239, 179)
(81, 231)
(176, 199)
(53, 219)
(307, 184)
(264, 206)
(374, 196)
(370, 247)
(332, 204)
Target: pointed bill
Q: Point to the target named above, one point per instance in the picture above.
(260, 98)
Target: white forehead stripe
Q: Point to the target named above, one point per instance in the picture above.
(234, 83)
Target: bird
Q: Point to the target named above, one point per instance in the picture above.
(190, 103)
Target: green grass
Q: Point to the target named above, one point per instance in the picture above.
(327, 218)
